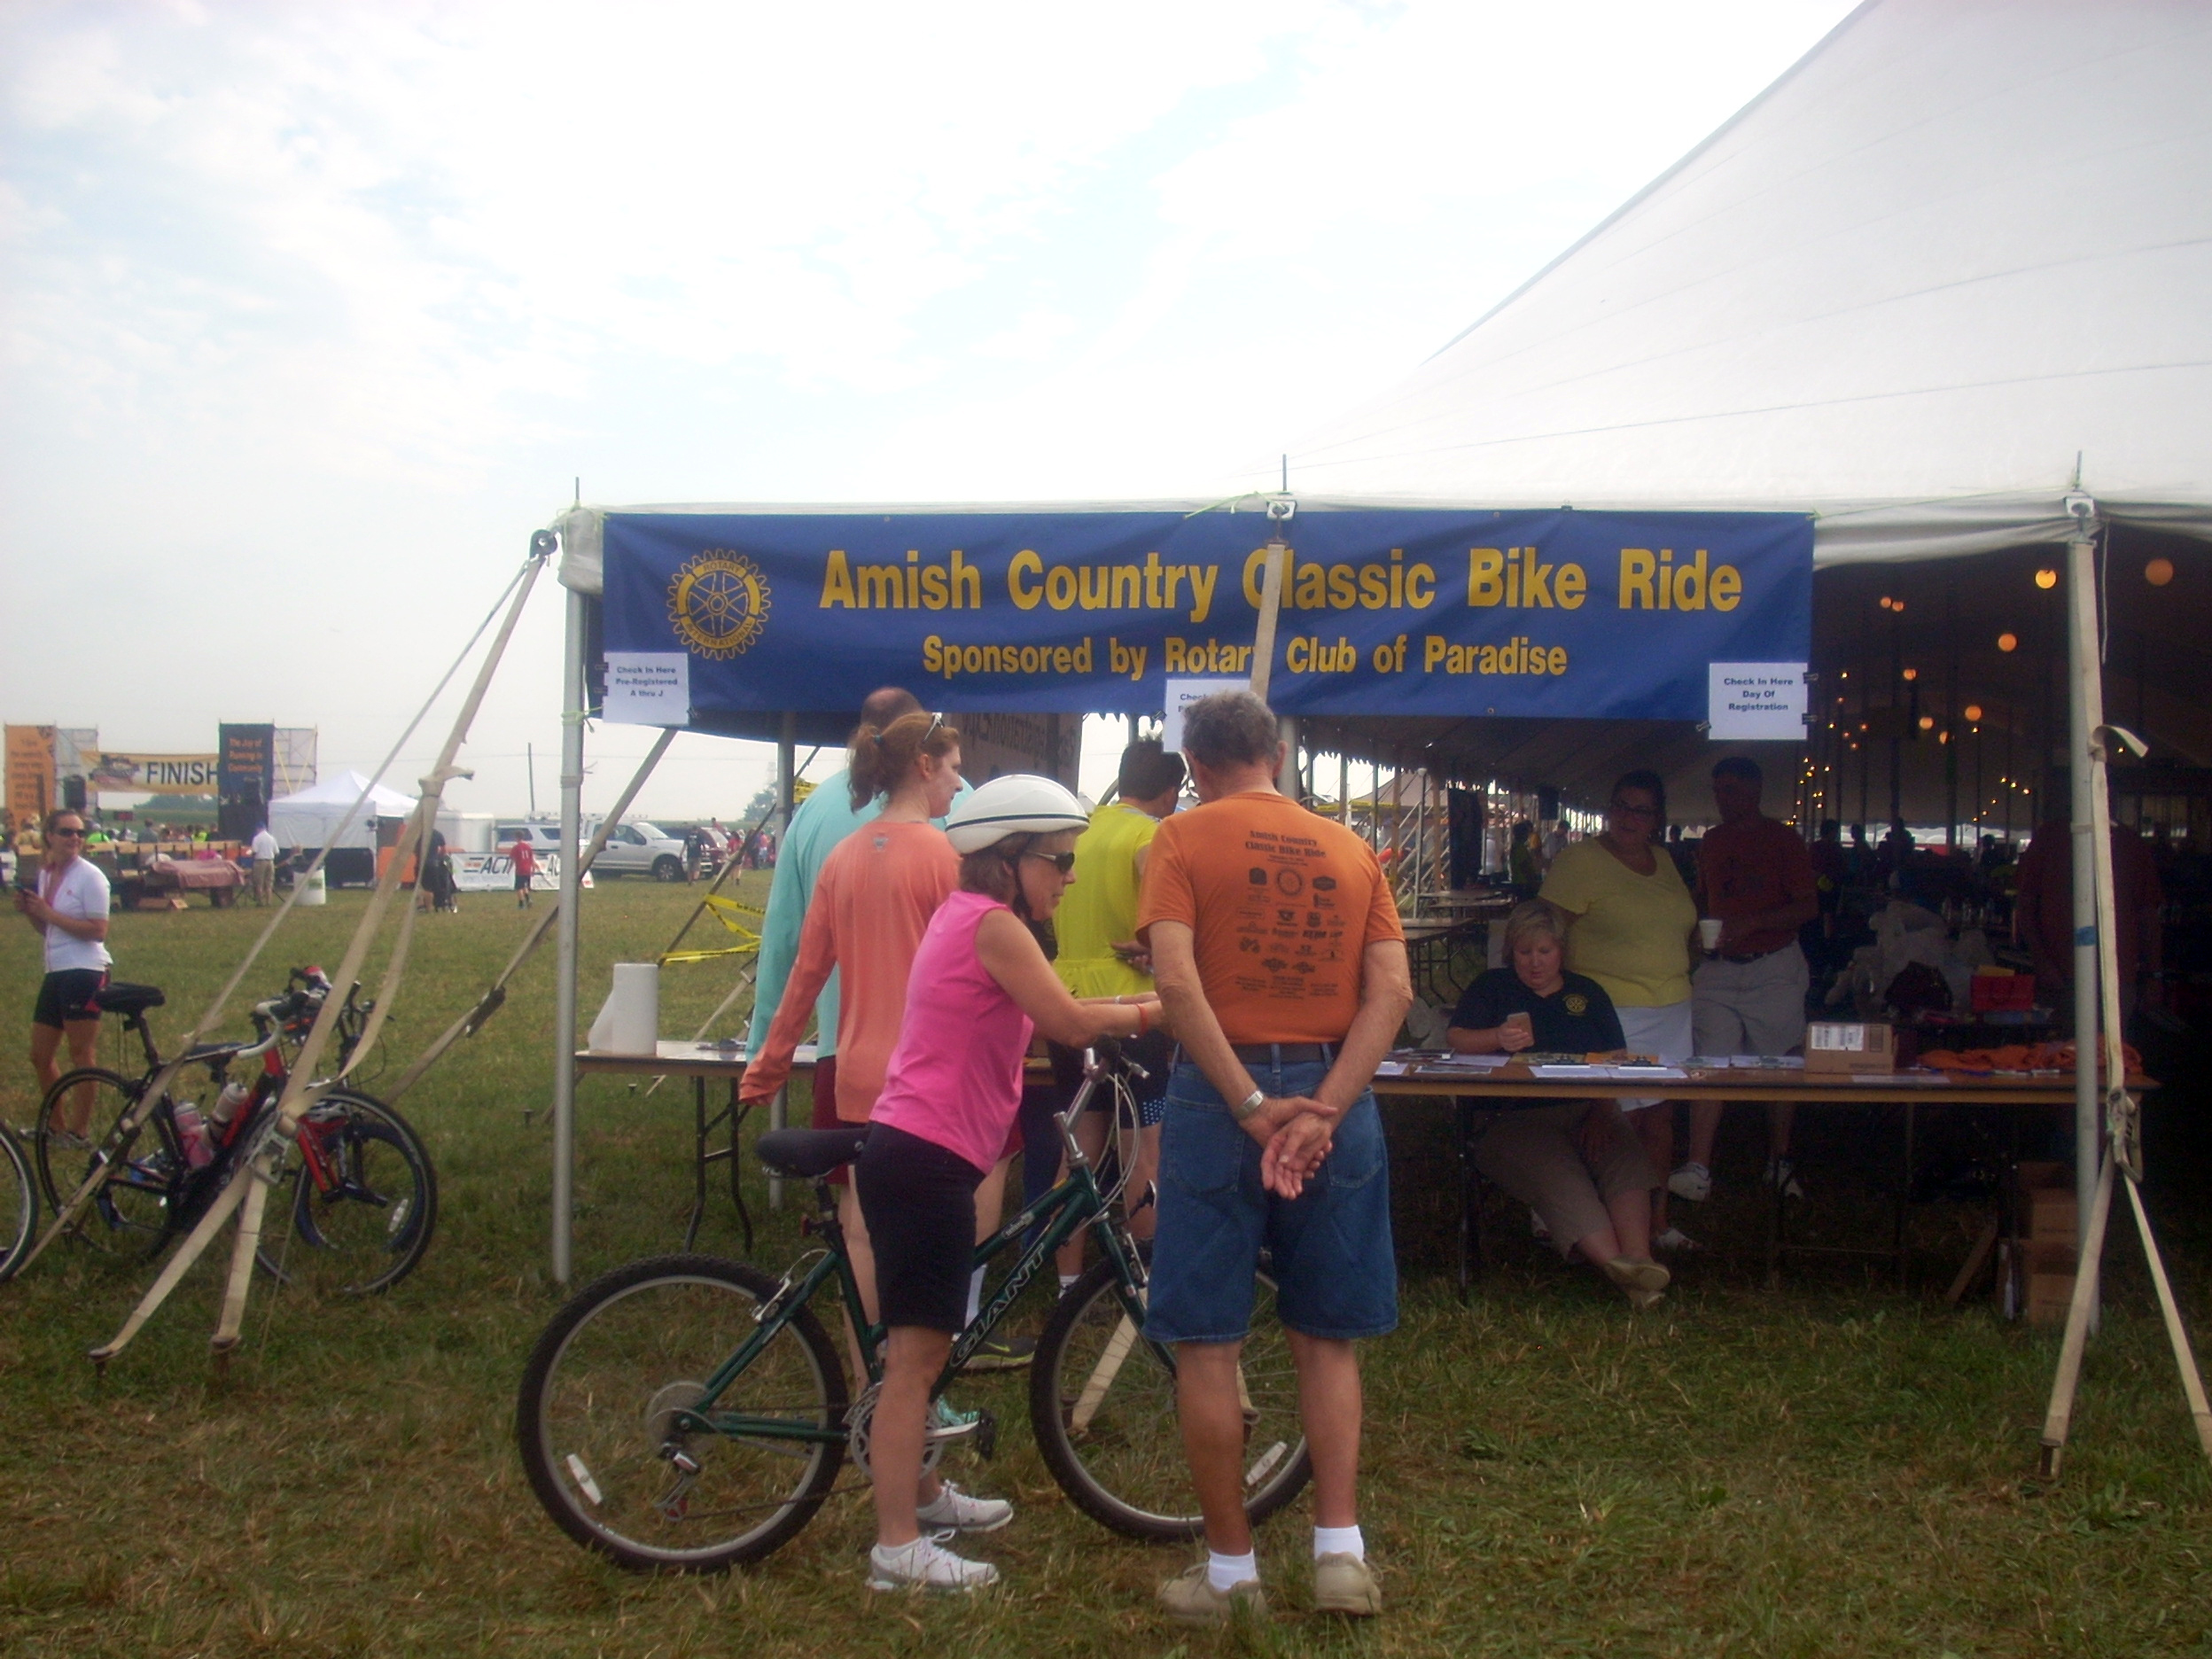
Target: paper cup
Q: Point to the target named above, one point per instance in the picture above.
(1709, 935)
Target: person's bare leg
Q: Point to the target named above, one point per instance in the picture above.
(1212, 1420)
(1599, 1246)
(861, 1254)
(1329, 1408)
(1143, 1179)
(1655, 1127)
(913, 1357)
(1704, 1128)
(45, 1044)
(991, 1199)
(1631, 1222)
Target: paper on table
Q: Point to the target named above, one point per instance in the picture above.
(1570, 1071)
(1638, 1073)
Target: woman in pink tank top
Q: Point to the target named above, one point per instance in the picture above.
(979, 985)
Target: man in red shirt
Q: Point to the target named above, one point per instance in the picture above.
(2044, 913)
(1748, 997)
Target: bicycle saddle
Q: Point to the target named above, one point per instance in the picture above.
(128, 1000)
(809, 1154)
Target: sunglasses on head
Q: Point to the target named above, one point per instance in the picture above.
(1065, 862)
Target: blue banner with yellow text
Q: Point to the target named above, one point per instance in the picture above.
(1543, 613)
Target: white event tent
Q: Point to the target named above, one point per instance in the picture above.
(1959, 244)
(1942, 285)
(311, 818)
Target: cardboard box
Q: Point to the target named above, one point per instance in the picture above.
(1850, 1048)
(2046, 1281)
(2044, 1204)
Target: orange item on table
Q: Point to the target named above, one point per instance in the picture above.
(2052, 1056)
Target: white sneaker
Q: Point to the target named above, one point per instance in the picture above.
(954, 1509)
(925, 1564)
(1674, 1239)
(1693, 1182)
(1536, 1229)
(1781, 1173)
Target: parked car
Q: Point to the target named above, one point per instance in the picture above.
(543, 838)
(638, 848)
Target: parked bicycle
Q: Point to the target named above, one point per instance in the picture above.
(363, 1197)
(691, 1413)
(19, 1203)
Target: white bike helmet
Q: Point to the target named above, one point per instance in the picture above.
(1014, 805)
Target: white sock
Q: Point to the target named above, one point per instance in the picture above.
(975, 1295)
(1339, 1541)
(1226, 1572)
(1067, 1279)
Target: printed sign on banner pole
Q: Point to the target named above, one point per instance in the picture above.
(1547, 613)
(1755, 701)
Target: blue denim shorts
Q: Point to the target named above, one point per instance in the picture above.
(1331, 1255)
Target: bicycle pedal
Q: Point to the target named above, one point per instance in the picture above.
(986, 1435)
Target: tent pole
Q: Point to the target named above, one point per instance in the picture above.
(2082, 663)
(566, 936)
(786, 754)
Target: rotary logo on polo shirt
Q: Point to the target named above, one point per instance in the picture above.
(1575, 1003)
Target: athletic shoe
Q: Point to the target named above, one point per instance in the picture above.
(926, 1564)
(1643, 1301)
(948, 1424)
(1002, 1354)
(68, 1140)
(1343, 1584)
(1189, 1598)
(1693, 1182)
(954, 1509)
(1781, 1173)
(1536, 1229)
(1674, 1239)
(1631, 1274)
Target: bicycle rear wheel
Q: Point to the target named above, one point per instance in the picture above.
(19, 1203)
(135, 1211)
(364, 1200)
(602, 1419)
(1102, 1401)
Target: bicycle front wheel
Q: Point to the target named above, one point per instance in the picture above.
(629, 1455)
(1102, 1401)
(19, 1203)
(364, 1201)
(135, 1211)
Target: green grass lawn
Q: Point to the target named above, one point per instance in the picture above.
(1833, 1468)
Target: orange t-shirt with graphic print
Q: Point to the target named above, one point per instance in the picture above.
(1282, 906)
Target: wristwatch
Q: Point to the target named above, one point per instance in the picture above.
(1248, 1106)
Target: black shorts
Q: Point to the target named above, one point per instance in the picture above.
(919, 1201)
(522, 880)
(66, 997)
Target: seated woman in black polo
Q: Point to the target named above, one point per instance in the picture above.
(1577, 1163)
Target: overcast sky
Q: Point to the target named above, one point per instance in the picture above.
(313, 312)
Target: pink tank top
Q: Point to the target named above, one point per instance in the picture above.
(955, 1077)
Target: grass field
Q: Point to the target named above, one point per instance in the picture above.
(1835, 1468)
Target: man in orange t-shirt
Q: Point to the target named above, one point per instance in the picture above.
(1279, 957)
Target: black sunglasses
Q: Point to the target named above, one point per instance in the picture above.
(79, 834)
(1065, 862)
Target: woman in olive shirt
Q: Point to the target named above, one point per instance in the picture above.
(1632, 928)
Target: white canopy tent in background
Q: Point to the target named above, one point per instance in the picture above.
(310, 818)
(1958, 245)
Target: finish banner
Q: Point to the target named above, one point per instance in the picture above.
(154, 775)
(1544, 613)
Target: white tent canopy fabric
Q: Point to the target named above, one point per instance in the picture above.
(1959, 244)
(310, 818)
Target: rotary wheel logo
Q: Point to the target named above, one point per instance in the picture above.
(718, 604)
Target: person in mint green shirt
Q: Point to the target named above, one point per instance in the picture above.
(822, 820)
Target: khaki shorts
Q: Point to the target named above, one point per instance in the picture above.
(1537, 1157)
(1750, 1007)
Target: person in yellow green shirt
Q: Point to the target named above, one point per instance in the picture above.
(1099, 956)
(1631, 923)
